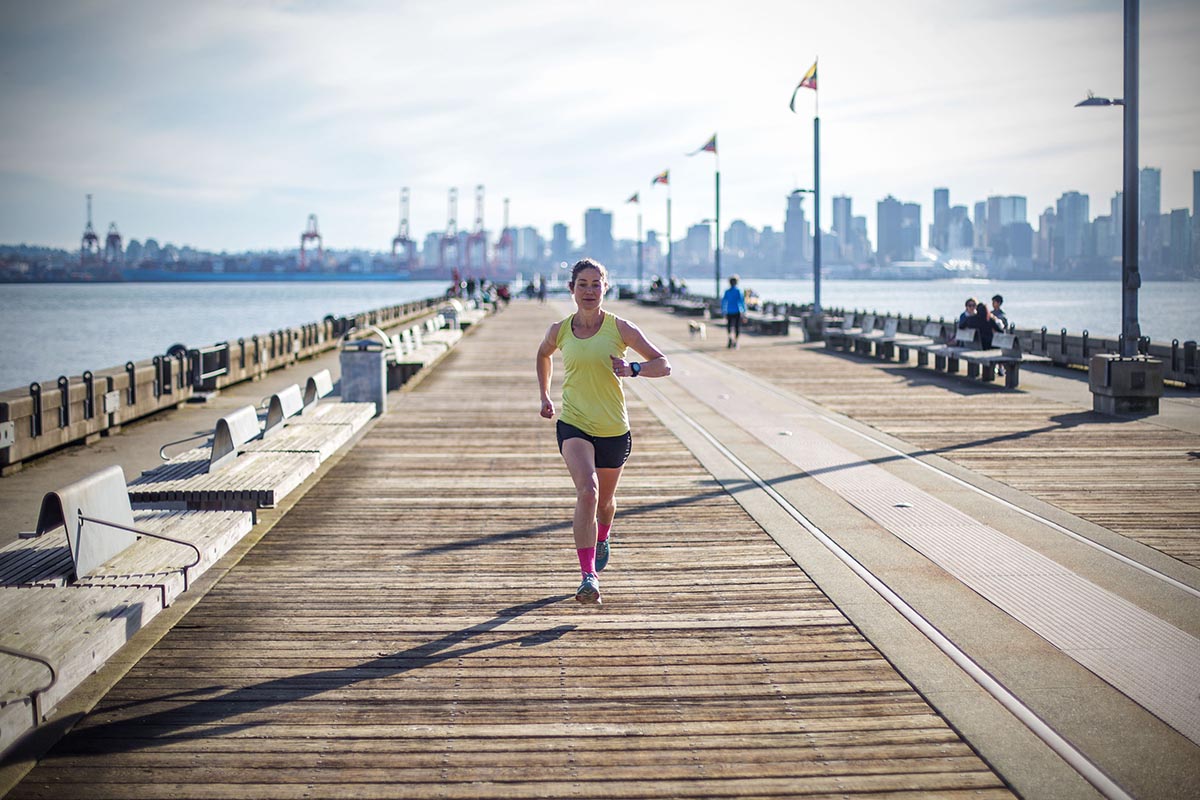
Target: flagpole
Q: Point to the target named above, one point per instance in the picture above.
(669, 246)
(717, 294)
(817, 217)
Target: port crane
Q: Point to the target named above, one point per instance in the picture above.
(311, 234)
(477, 240)
(404, 249)
(89, 245)
(450, 237)
(506, 249)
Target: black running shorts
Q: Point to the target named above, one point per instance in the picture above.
(611, 451)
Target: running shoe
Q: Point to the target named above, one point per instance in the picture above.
(601, 555)
(589, 590)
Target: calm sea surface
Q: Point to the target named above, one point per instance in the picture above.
(64, 329)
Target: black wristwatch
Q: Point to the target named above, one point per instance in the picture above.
(635, 368)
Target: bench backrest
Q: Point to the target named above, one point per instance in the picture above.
(966, 337)
(284, 404)
(233, 431)
(100, 496)
(868, 323)
(890, 326)
(317, 386)
(933, 330)
(1007, 342)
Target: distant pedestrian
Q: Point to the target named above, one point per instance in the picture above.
(733, 306)
(593, 429)
(987, 325)
(964, 319)
(541, 289)
(997, 312)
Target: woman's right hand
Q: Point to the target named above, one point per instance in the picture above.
(548, 408)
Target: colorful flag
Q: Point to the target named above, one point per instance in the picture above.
(809, 81)
(633, 198)
(710, 147)
(663, 177)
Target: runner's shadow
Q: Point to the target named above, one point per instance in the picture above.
(210, 716)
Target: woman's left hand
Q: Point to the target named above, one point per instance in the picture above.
(620, 367)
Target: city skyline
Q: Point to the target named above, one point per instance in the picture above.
(222, 127)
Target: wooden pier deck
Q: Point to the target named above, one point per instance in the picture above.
(408, 629)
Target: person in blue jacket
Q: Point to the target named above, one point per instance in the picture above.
(733, 306)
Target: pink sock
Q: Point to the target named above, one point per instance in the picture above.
(602, 531)
(587, 559)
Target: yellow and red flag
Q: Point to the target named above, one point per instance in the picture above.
(663, 177)
(809, 81)
(633, 198)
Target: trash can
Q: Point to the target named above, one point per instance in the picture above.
(364, 372)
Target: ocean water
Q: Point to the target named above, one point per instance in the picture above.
(64, 329)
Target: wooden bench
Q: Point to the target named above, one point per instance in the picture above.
(767, 324)
(848, 338)
(834, 336)
(1005, 353)
(870, 342)
(221, 474)
(946, 355)
(899, 345)
(688, 308)
(93, 573)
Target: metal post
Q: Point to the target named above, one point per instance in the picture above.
(668, 239)
(718, 251)
(1130, 276)
(817, 216)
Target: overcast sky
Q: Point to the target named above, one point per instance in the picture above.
(224, 124)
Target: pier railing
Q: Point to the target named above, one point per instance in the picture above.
(1181, 362)
(48, 415)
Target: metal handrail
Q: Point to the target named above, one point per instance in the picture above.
(163, 455)
(140, 532)
(35, 694)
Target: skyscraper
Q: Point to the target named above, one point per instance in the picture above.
(939, 232)
(1072, 228)
(560, 245)
(597, 235)
(795, 231)
(899, 228)
(1149, 195)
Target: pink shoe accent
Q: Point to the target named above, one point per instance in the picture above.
(602, 532)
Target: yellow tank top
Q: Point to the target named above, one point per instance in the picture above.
(592, 397)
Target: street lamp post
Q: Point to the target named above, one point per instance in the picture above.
(1127, 382)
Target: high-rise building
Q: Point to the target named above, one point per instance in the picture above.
(960, 234)
(698, 244)
(1072, 229)
(597, 235)
(939, 232)
(1002, 211)
(981, 226)
(1149, 195)
(795, 232)
(1196, 222)
(1181, 243)
(899, 228)
(560, 245)
(739, 239)
(1044, 250)
(841, 215)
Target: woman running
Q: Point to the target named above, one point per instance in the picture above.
(593, 429)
